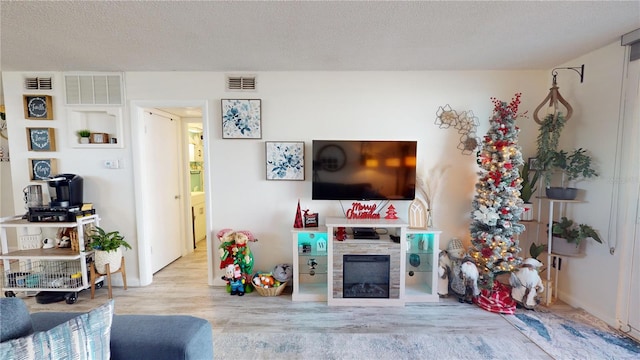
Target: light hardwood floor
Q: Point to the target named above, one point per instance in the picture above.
(181, 288)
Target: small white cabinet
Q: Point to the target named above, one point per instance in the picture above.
(421, 282)
(309, 264)
(38, 269)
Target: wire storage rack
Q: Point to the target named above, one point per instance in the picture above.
(36, 268)
(42, 275)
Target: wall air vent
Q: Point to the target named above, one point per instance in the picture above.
(241, 83)
(93, 89)
(38, 83)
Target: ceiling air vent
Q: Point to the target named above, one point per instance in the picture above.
(241, 83)
(96, 89)
(38, 83)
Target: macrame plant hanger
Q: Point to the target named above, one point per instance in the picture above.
(554, 98)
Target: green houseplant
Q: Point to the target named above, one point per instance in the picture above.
(84, 135)
(574, 166)
(573, 234)
(108, 249)
(527, 190)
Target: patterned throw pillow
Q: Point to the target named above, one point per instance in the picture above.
(84, 337)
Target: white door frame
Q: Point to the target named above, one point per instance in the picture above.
(137, 130)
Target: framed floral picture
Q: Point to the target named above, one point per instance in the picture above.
(241, 119)
(285, 160)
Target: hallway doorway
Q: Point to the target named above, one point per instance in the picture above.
(190, 176)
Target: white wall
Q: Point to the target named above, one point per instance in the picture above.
(302, 106)
(6, 191)
(590, 282)
(111, 191)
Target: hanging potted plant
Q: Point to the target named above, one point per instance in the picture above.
(574, 166)
(108, 249)
(527, 190)
(84, 135)
(567, 236)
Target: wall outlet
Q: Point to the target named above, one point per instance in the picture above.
(112, 164)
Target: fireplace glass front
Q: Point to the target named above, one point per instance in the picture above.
(365, 276)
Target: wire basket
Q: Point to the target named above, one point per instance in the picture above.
(272, 291)
(28, 242)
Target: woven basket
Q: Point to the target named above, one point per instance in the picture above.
(274, 291)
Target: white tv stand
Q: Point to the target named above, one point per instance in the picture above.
(407, 283)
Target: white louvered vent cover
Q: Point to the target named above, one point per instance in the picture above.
(241, 83)
(93, 89)
(38, 83)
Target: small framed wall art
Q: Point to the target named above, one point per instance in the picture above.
(241, 119)
(285, 160)
(38, 107)
(534, 164)
(41, 139)
(41, 169)
(99, 138)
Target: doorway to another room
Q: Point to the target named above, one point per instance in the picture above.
(171, 177)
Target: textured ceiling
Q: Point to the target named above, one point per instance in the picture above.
(307, 35)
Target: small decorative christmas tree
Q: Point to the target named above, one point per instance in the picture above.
(392, 214)
(297, 222)
(497, 205)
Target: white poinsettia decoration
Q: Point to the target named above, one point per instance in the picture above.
(486, 216)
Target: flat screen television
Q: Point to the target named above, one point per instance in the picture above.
(364, 169)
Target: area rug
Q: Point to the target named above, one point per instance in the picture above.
(579, 336)
(312, 346)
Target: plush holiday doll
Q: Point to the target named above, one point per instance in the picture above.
(444, 271)
(456, 282)
(469, 273)
(234, 250)
(526, 284)
(234, 278)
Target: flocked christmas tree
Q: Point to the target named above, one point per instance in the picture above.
(497, 205)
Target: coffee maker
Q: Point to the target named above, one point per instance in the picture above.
(66, 203)
(65, 191)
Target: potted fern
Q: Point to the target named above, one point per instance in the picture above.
(574, 166)
(108, 249)
(567, 236)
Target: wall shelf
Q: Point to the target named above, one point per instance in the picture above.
(105, 120)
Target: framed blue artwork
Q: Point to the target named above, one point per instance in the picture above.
(241, 119)
(285, 160)
(41, 139)
(41, 169)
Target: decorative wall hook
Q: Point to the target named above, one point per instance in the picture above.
(554, 98)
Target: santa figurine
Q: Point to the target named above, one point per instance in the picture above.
(444, 271)
(526, 284)
(469, 274)
(456, 253)
(234, 278)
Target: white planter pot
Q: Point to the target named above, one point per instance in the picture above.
(561, 246)
(84, 140)
(113, 258)
(527, 213)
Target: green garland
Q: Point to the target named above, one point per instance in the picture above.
(547, 141)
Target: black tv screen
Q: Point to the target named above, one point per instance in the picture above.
(364, 169)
